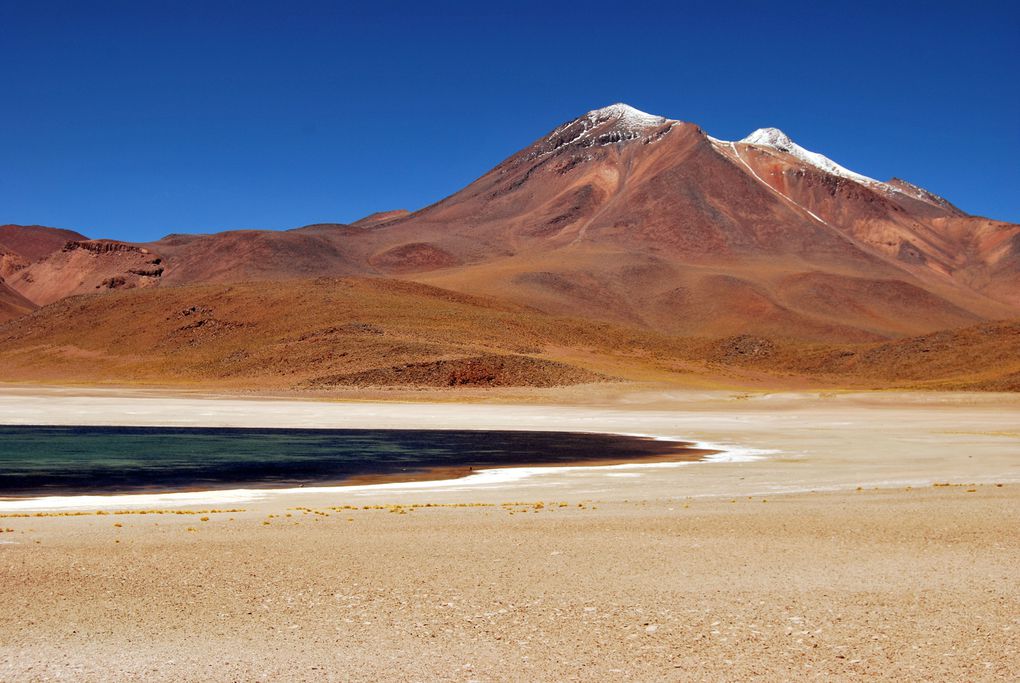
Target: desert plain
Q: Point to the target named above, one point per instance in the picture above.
(836, 536)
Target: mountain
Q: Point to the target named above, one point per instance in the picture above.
(924, 233)
(639, 220)
(649, 221)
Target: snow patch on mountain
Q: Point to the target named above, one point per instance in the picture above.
(626, 116)
(777, 139)
(609, 125)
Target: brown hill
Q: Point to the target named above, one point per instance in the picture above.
(380, 217)
(240, 255)
(20, 245)
(46, 264)
(83, 266)
(489, 370)
(312, 334)
(32, 242)
(981, 357)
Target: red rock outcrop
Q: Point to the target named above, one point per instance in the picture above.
(84, 266)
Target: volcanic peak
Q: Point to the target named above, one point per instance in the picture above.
(625, 116)
(770, 137)
(777, 139)
(607, 126)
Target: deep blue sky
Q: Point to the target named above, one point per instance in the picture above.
(136, 119)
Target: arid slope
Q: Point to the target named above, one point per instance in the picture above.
(32, 242)
(316, 334)
(335, 334)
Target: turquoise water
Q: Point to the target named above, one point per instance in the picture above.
(38, 461)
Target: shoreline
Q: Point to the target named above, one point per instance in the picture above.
(684, 453)
(489, 477)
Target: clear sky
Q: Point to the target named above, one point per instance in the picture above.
(135, 119)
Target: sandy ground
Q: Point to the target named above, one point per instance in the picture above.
(833, 556)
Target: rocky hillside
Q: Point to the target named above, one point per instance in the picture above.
(335, 334)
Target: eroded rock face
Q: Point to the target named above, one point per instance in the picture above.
(104, 246)
(83, 266)
(10, 263)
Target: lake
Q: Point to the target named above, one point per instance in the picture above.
(39, 461)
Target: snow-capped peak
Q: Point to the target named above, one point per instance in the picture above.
(626, 115)
(617, 123)
(780, 141)
(770, 137)
(777, 139)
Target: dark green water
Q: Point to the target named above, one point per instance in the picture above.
(39, 461)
